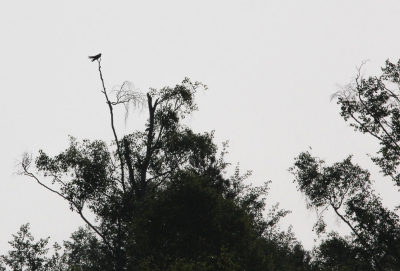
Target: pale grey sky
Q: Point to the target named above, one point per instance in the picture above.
(270, 66)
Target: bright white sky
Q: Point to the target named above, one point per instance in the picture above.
(270, 66)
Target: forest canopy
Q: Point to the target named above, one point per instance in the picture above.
(161, 198)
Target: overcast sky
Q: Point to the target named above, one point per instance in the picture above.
(271, 67)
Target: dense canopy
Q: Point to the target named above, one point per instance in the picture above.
(160, 197)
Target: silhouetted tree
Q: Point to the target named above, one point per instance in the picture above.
(160, 198)
(373, 105)
(27, 255)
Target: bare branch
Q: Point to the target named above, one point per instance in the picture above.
(113, 129)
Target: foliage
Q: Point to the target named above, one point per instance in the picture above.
(160, 196)
(339, 253)
(193, 225)
(111, 183)
(27, 255)
(346, 189)
(86, 252)
(373, 106)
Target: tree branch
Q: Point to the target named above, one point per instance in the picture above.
(129, 164)
(113, 129)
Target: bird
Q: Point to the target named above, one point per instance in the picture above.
(96, 57)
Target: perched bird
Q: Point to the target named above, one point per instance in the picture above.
(93, 58)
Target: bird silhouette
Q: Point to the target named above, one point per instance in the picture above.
(96, 57)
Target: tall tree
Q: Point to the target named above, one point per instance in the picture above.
(373, 106)
(109, 183)
(163, 187)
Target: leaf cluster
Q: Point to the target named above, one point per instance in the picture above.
(373, 105)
